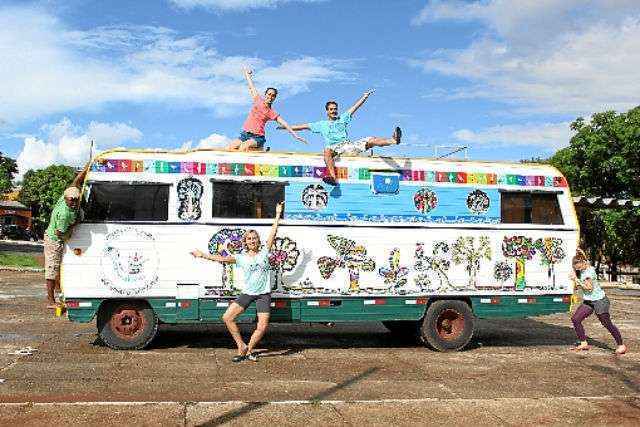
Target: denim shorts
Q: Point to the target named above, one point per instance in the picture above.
(263, 302)
(259, 139)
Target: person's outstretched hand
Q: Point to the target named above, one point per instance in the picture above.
(279, 209)
(197, 253)
(301, 139)
(369, 92)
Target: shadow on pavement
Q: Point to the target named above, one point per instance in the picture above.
(287, 339)
(252, 406)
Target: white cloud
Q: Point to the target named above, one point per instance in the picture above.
(68, 144)
(49, 68)
(551, 136)
(552, 56)
(215, 140)
(226, 5)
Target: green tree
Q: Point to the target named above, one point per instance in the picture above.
(41, 189)
(603, 160)
(8, 169)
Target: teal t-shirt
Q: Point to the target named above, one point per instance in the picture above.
(62, 217)
(333, 131)
(256, 272)
(597, 293)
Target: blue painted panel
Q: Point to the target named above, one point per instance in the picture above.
(356, 201)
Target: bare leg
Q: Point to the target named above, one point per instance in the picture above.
(51, 286)
(229, 318)
(261, 329)
(234, 145)
(328, 160)
(380, 142)
(249, 145)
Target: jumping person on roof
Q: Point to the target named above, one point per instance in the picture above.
(252, 135)
(334, 131)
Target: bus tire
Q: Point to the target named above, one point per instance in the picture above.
(447, 325)
(402, 328)
(127, 325)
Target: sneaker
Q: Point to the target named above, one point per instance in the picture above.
(253, 357)
(238, 358)
(397, 134)
(329, 180)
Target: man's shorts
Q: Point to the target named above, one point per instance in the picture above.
(52, 257)
(259, 139)
(351, 147)
(263, 302)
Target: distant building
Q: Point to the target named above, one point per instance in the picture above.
(14, 213)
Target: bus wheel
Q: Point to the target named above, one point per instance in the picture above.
(447, 325)
(127, 325)
(402, 328)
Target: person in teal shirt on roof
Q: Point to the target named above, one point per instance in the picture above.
(336, 135)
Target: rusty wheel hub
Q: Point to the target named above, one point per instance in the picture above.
(450, 324)
(127, 322)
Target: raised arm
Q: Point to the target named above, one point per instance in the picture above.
(304, 126)
(248, 73)
(292, 131)
(199, 254)
(274, 227)
(359, 102)
(79, 179)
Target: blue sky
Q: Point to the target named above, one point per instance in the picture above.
(503, 77)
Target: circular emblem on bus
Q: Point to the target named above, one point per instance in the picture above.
(425, 200)
(315, 197)
(478, 201)
(129, 262)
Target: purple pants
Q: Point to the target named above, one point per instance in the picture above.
(585, 311)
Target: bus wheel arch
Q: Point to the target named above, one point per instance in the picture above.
(126, 324)
(448, 324)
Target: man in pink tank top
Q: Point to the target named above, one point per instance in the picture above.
(252, 136)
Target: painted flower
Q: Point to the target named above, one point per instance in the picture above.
(478, 202)
(425, 200)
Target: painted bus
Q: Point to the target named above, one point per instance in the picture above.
(424, 246)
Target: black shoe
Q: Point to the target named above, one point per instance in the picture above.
(329, 180)
(397, 134)
(253, 357)
(239, 358)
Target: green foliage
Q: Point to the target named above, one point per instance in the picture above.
(603, 160)
(8, 169)
(42, 188)
(12, 259)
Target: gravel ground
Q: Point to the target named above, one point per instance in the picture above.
(515, 372)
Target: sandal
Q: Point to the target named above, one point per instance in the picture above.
(581, 348)
(622, 349)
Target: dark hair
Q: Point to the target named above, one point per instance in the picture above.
(326, 106)
(271, 88)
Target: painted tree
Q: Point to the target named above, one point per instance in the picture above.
(439, 263)
(227, 242)
(466, 252)
(395, 276)
(350, 256)
(283, 256)
(522, 249)
(502, 272)
(551, 252)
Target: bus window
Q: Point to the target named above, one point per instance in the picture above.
(237, 199)
(121, 201)
(521, 207)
